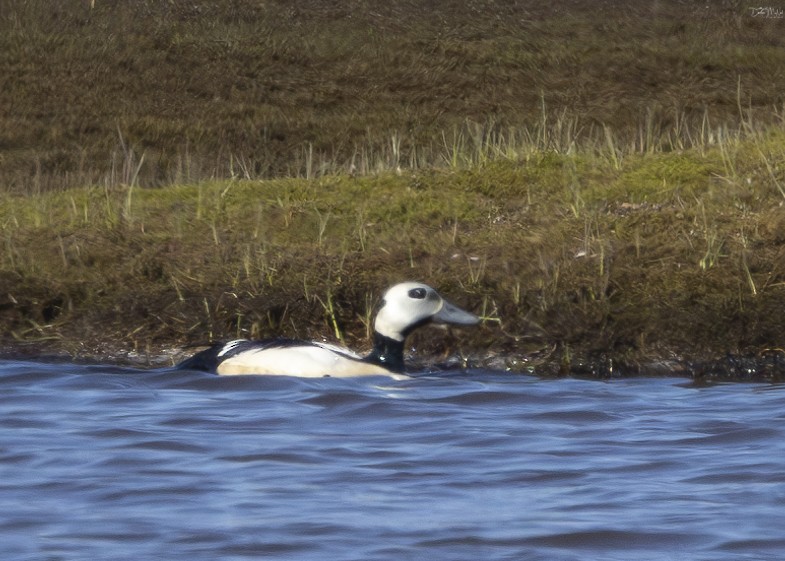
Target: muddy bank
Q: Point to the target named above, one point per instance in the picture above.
(767, 366)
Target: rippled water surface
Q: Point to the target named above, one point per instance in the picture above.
(109, 463)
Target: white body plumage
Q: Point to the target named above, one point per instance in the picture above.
(405, 307)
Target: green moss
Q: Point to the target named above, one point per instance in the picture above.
(657, 178)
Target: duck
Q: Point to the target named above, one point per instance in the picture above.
(404, 308)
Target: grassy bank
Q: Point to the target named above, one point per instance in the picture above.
(576, 259)
(603, 182)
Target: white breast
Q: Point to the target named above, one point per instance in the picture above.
(310, 361)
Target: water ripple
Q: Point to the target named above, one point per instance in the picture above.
(100, 462)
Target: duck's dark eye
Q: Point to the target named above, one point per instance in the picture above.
(418, 293)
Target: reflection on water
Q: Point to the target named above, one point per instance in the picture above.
(109, 463)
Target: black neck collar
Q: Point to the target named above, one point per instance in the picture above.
(386, 352)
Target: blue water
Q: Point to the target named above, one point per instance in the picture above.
(108, 463)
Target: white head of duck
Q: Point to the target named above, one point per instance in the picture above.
(404, 308)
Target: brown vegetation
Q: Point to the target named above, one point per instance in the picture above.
(602, 182)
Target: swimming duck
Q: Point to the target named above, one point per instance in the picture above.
(404, 308)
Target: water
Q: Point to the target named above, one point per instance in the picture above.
(106, 463)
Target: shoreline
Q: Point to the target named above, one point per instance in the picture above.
(765, 367)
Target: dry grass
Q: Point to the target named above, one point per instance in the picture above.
(242, 89)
